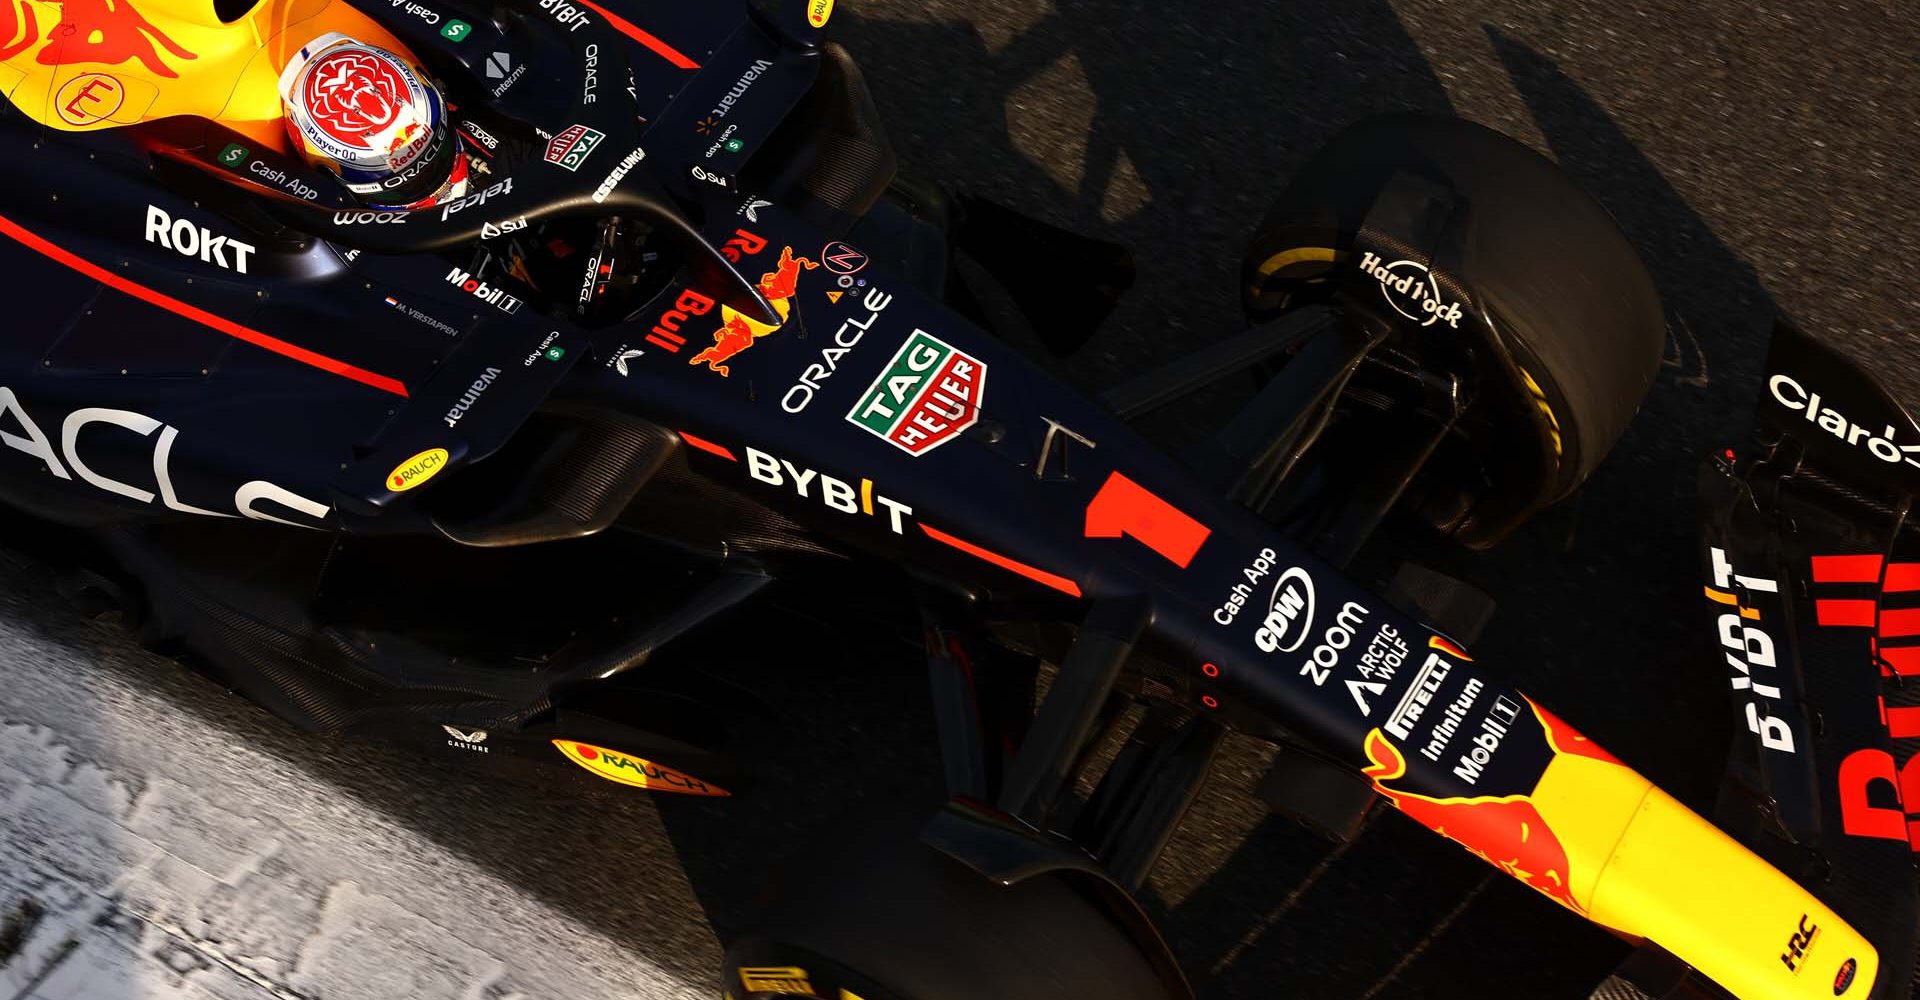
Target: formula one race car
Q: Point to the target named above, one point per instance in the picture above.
(387, 471)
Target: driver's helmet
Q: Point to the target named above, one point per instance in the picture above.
(374, 119)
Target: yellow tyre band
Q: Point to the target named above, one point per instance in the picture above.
(1288, 258)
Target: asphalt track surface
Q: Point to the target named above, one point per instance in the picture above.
(1760, 155)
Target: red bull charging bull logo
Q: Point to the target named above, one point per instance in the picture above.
(737, 332)
(1506, 831)
(99, 31)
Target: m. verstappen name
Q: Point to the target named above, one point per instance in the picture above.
(844, 340)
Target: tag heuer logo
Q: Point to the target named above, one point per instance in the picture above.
(924, 397)
(570, 148)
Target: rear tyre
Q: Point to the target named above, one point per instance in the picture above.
(889, 918)
(1576, 327)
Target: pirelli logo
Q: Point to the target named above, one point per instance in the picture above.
(1413, 704)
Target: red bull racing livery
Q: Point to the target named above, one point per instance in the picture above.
(395, 344)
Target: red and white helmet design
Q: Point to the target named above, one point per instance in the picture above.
(370, 116)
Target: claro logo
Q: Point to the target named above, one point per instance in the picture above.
(1289, 613)
(1788, 392)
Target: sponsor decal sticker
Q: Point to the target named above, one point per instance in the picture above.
(89, 98)
(1788, 392)
(924, 397)
(622, 357)
(188, 239)
(477, 198)
(463, 739)
(738, 332)
(618, 174)
(501, 67)
(836, 494)
(456, 31)
(1289, 613)
(789, 979)
(635, 771)
(818, 11)
(845, 339)
(1749, 651)
(274, 175)
(471, 396)
(1844, 978)
(666, 330)
(417, 470)
(705, 126)
(570, 17)
(1799, 945)
(1411, 290)
(233, 155)
(33, 442)
(495, 297)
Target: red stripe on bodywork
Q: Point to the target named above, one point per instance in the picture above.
(1901, 577)
(1905, 660)
(1903, 722)
(1846, 569)
(1832, 611)
(1059, 583)
(1899, 621)
(33, 241)
(631, 30)
(708, 446)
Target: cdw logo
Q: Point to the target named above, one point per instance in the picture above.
(741, 244)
